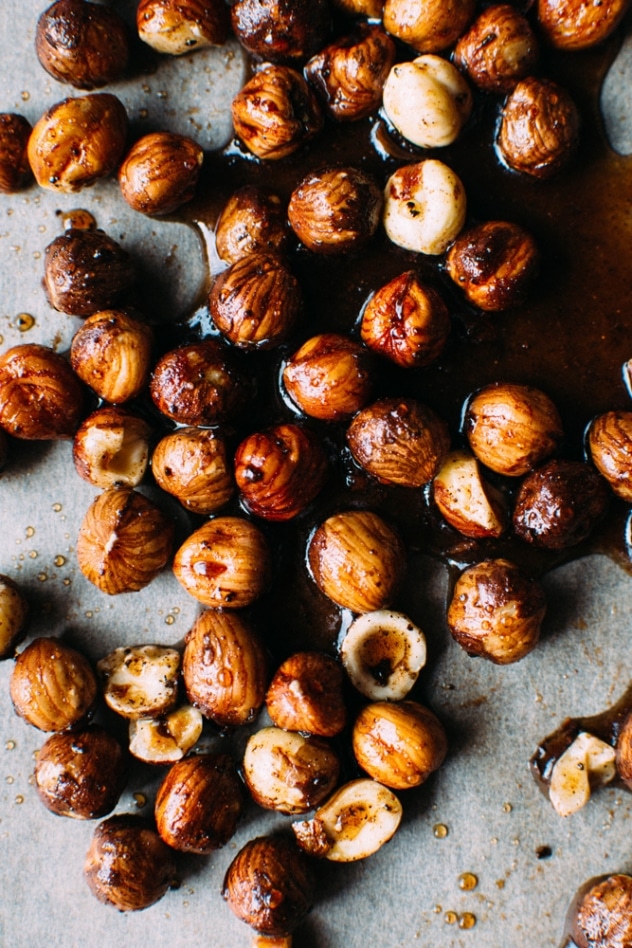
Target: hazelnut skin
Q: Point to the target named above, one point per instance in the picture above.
(192, 465)
(610, 446)
(498, 50)
(111, 448)
(253, 221)
(174, 28)
(160, 172)
(429, 26)
(496, 611)
(112, 352)
(86, 271)
(330, 377)
(41, 399)
(15, 171)
(306, 694)
(601, 914)
(281, 31)
(569, 24)
(14, 611)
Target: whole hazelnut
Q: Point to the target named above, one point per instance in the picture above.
(192, 464)
(78, 141)
(85, 271)
(253, 221)
(111, 352)
(428, 25)
(281, 30)
(141, 680)
(15, 170)
(539, 128)
(84, 44)
(330, 377)
(399, 441)
(276, 112)
(160, 172)
(369, 8)
(424, 207)
(569, 24)
(335, 210)
(14, 611)
(466, 500)
(41, 399)
(498, 50)
(174, 28)
(601, 913)
(496, 611)
(624, 751)
(111, 448)
(306, 694)
(610, 446)
(406, 321)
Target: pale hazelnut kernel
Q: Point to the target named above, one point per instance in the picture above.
(610, 446)
(174, 28)
(52, 685)
(498, 50)
(160, 172)
(14, 610)
(428, 25)
(111, 352)
(111, 448)
(424, 207)
(568, 24)
(383, 653)
(588, 763)
(141, 680)
(168, 738)
(330, 377)
(306, 694)
(467, 501)
(192, 465)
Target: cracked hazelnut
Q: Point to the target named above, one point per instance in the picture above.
(424, 207)
(329, 377)
(86, 271)
(192, 465)
(498, 50)
(573, 24)
(253, 221)
(280, 31)
(174, 27)
(141, 680)
(41, 399)
(168, 738)
(586, 764)
(610, 446)
(305, 694)
(14, 611)
(383, 653)
(111, 448)
(160, 172)
(335, 210)
(466, 500)
(15, 170)
(428, 25)
(111, 352)
(601, 913)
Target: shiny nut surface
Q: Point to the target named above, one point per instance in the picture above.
(52, 685)
(570, 24)
(14, 611)
(369, 8)
(601, 916)
(160, 171)
(253, 220)
(280, 30)
(111, 352)
(329, 377)
(40, 396)
(334, 210)
(174, 27)
(428, 25)
(306, 694)
(192, 464)
(468, 502)
(140, 680)
(610, 446)
(111, 448)
(424, 207)
(498, 50)
(86, 271)
(166, 739)
(624, 751)
(383, 653)
(15, 170)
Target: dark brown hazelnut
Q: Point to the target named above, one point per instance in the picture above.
(539, 128)
(335, 209)
(15, 170)
(369, 8)
(174, 27)
(428, 25)
(281, 31)
(494, 264)
(160, 172)
(14, 611)
(127, 865)
(573, 24)
(610, 446)
(601, 913)
(498, 50)
(86, 271)
(111, 352)
(496, 611)
(406, 321)
(269, 885)
(52, 685)
(330, 377)
(78, 141)
(41, 399)
(81, 774)
(306, 694)
(399, 441)
(199, 803)
(111, 448)
(349, 75)
(253, 221)
(276, 112)
(624, 751)
(256, 301)
(84, 44)
(192, 464)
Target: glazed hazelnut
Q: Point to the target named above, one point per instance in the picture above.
(570, 24)
(610, 446)
(276, 112)
(253, 221)
(586, 764)
(192, 464)
(111, 352)
(424, 207)
(256, 301)
(41, 399)
(383, 653)
(496, 611)
(81, 774)
(406, 321)
(199, 803)
(624, 751)
(111, 448)
(225, 563)
(428, 25)
(512, 428)
(15, 170)
(399, 441)
(127, 865)
(141, 680)
(601, 913)
(160, 172)
(280, 30)
(369, 8)
(224, 667)
(269, 885)
(124, 541)
(83, 44)
(174, 28)
(52, 685)
(78, 141)
(168, 738)
(306, 694)
(539, 128)
(85, 271)
(349, 75)
(335, 209)
(14, 611)
(329, 377)
(498, 50)
(357, 560)
(466, 500)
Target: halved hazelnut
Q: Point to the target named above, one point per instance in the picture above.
(86, 271)
(424, 207)
(428, 25)
(253, 221)
(192, 464)
(15, 170)
(111, 352)
(610, 446)
(471, 505)
(383, 653)
(174, 28)
(160, 172)
(41, 399)
(141, 680)
(498, 50)
(111, 448)
(14, 611)
(588, 763)
(281, 30)
(329, 377)
(52, 685)
(334, 210)
(165, 739)
(306, 694)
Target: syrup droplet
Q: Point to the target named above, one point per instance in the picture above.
(9, 779)
(140, 800)
(57, 507)
(467, 920)
(60, 560)
(42, 577)
(24, 322)
(30, 531)
(440, 830)
(450, 918)
(33, 555)
(19, 799)
(25, 96)
(507, 808)
(468, 881)
(10, 745)
(170, 620)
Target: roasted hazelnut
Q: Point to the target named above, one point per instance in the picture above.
(406, 321)
(198, 384)
(111, 352)
(357, 560)
(15, 170)
(269, 885)
(610, 446)
(199, 803)
(141, 680)
(86, 271)
(166, 739)
(78, 141)
(280, 30)
(276, 112)
(159, 172)
(305, 694)
(369, 8)
(111, 448)
(586, 764)
(173, 27)
(127, 865)
(498, 50)
(601, 913)
(224, 667)
(539, 128)
(467, 501)
(383, 653)
(428, 25)
(84, 44)
(192, 464)
(399, 743)
(124, 541)
(399, 441)
(41, 399)
(14, 611)
(52, 685)
(512, 428)
(253, 221)
(349, 75)
(81, 774)
(329, 377)
(255, 302)
(571, 24)
(624, 751)
(335, 209)
(225, 563)
(496, 611)
(424, 207)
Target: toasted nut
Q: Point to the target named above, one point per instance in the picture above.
(166, 739)
(14, 611)
(52, 686)
(191, 464)
(224, 667)
(603, 909)
(127, 865)
(81, 774)
(353, 824)
(570, 24)
(41, 398)
(428, 25)
(111, 352)
(383, 653)
(496, 611)
(370, 8)
(160, 172)
(624, 751)
(253, 221)
(610, 446)
(141, 680)
(86, 271)
(586, 764)
(111, 448)
(270, 941)
(15, 170)
(357, 560)
(124, 541)
(329, 377)
(511, 428)
(466, 500)
(334, 210)
(78, 141)
(173, 27)
(305, 694)
(281, 30)
(199, 803)
(424, 207)
(498, 50)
